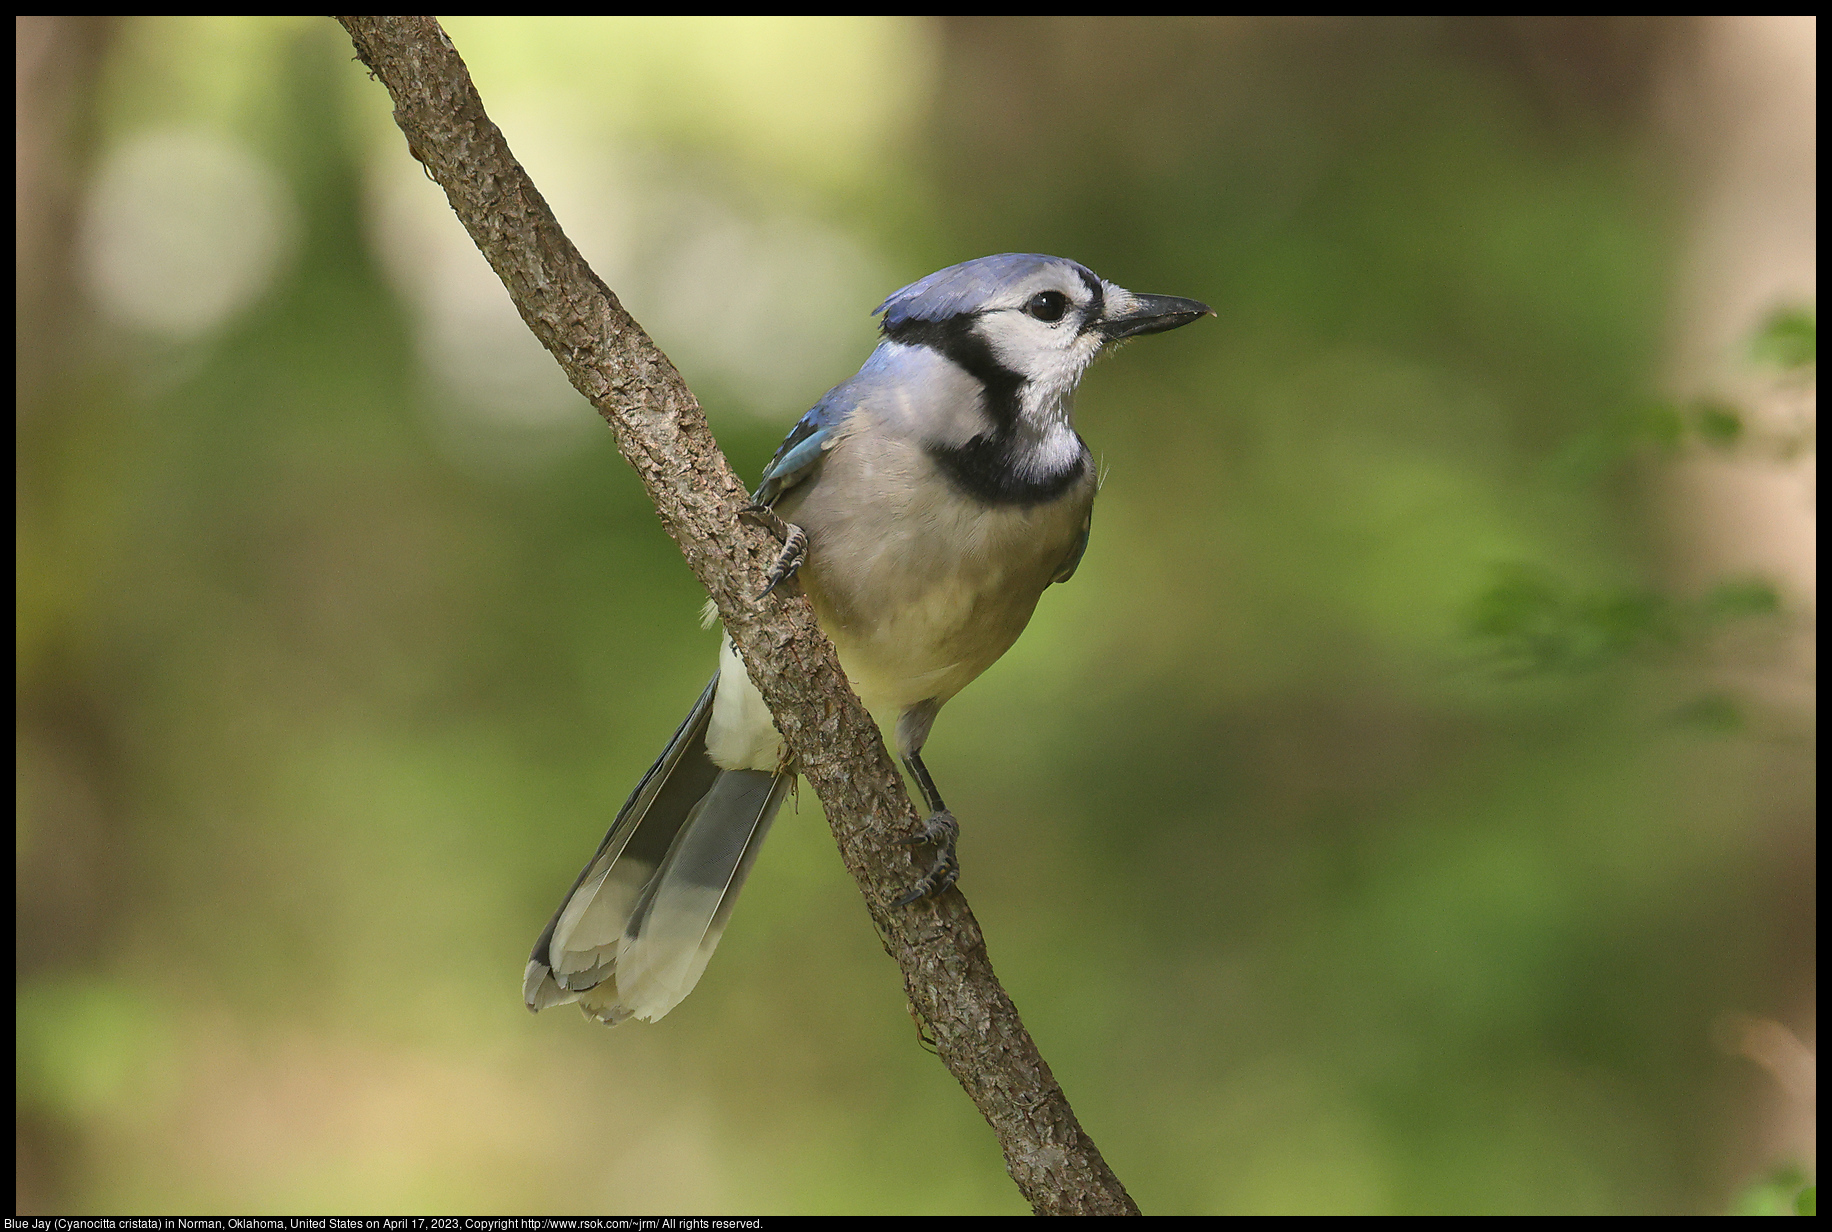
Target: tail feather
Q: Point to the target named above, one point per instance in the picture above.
(678, 922)
(634, 934)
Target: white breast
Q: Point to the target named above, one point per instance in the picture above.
(922, 588)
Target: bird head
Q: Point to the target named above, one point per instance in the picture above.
(1027, 319)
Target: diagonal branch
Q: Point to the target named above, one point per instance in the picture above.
(662, 432)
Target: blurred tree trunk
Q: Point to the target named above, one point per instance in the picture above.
(64, 751)
(56, 60)
(1752, 137)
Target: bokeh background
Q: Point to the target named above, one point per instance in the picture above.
(1407, 808)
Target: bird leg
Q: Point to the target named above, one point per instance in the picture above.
(794, 546)
(939, 828)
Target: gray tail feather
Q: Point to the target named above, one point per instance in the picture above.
(633, 935)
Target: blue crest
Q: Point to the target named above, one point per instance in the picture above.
(965, 287)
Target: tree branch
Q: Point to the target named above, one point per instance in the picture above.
(662, 432)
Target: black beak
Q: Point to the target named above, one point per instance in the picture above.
(1153, 314)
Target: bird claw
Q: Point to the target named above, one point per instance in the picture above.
(942, 830)
(794, 545)
(794, 552)
(945, 873)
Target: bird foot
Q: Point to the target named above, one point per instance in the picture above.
(794, 551)
(794, 546)
(942, 830)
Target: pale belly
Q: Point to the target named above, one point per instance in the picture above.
(919, 598)
(904, 636)
(929, 644)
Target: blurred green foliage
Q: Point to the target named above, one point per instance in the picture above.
(331, 669)
(1789, 339)
(1528, 622)
(1782, 1192)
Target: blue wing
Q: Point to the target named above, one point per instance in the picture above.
(812, 435)
(1072, 561)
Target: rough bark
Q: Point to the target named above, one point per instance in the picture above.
(661, 431)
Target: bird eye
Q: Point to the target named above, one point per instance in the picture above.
(1048, 305)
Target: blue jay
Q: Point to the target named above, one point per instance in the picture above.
(929, 501)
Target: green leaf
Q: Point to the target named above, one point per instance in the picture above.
(1778, 1193)
(1622, 620)
(1740, 598)
(1533, 623)
(1788, 339)
(1719, 424)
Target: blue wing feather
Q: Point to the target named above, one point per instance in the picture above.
(811, 436)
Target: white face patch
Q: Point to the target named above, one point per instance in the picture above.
(1023, 342)
(1051, 355)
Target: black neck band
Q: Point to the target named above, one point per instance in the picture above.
(988, 467)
